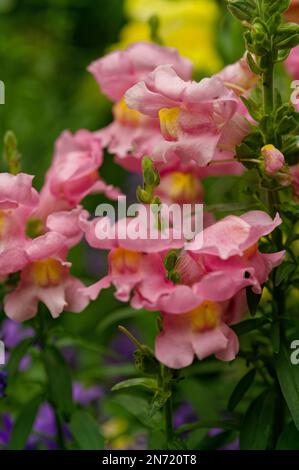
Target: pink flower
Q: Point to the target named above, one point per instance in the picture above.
(238, 77)
(45, 278)
(73, 173)
(132, 135)
(273, 159)
(200, 332)
(294, 174)
(18, 200)
(120, 70)
(292, 63)
(227, 261)
(193, 116)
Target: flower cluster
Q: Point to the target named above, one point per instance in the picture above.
(190, 130)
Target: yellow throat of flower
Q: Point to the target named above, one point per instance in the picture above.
(125, 115)
(47, 272)
(184, 187)
(124, 261)
(206, 316)
(169, 122)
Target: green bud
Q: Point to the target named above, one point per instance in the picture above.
(146, 164)
(175, 277)
(11, 155)
(156, 201)
(157, 178)
(170, 260)
(144, 196)
(149, 177)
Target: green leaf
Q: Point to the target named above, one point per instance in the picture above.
(241, 388)
(283, 272)
(249, 325)
(252, 107)
(148, 383)
(257, 427)
(253, 66)
(85, 431)
(17, 354)
(24, 424)
(253, 301)
(289, 438)
(288, 376)
(60, 384)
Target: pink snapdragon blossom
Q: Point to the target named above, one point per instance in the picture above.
(73, 173)
(18, 200)
(226, 262)
(194, 117)
(238, 76)
(201, 332)
(133, 135)
(273, 159)
(292, 63)
(119, 70)
(45, 278)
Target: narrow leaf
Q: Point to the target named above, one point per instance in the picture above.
(60, 384)
(241, 388)
(148, 383)
(86, 431)
(288, 376)
(24, 424)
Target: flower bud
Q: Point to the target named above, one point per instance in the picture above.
(273, 159)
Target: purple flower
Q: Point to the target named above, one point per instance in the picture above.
(6, 425)
(3, 383)
(12, 333)
(184, 414)
(85, 396)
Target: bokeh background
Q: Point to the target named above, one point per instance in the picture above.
(45, 47)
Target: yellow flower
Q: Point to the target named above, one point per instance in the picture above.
(188, 25)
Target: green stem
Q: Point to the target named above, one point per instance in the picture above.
(165, 378)
(268, 89)
(168, 420)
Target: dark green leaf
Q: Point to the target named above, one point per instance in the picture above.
(283, 272)
(253, 301)
(289, 438)
(257, 427)
(86, 431)
(24, 424)
(249, 325)
(60, 384)
(241, 388)
(288, 376)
